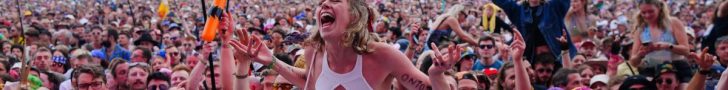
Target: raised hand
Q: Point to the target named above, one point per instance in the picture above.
(703, 59)
(227, 25)
(207, 48)
(442, 63)
(254, 49)
(518, 45)
(562, 39)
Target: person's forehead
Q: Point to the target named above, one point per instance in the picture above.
(136, 70)
(723, 44)
(43, 54)
(180, 73)
(85, 77)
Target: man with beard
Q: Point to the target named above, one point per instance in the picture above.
(110, 52)
(544, 67)
(137, 76)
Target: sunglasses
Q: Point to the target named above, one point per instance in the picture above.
(187, 45)
(486, 46)
(90, 85)
(161, 87)
(667, 81)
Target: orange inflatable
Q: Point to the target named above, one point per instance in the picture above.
(213, 21)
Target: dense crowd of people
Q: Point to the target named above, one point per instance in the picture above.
(364, 45)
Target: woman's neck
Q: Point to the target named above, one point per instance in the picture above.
(651, 23)
(339, 54)
(579, 14)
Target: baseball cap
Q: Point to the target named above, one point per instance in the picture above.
(637, 80)
(599, 78)
(587, 43)
(665, 68)
(467, 55)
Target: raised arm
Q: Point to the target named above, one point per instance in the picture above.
(412, 46)
(254, 47)
(519, 47)
(227, 60)
(723, 9)
(561, 6)
(196, 76)
(704, 61)
(404, 71)
(510, 7)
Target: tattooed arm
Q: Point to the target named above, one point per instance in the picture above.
(401, 68)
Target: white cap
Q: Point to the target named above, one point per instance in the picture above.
(599, 78)
(70, 17)
(16, 65)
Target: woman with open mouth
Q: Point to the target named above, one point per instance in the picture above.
(343, 54)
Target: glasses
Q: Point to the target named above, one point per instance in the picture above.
(87, 86)
(488, 46)
(187, 45)
(542, 70)
(667, 81)
(161, 87)
(171, 38)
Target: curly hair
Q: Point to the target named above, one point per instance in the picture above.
(357, 34)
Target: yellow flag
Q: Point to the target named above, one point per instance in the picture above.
(163, 9)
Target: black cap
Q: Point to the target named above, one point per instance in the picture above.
(637, 80)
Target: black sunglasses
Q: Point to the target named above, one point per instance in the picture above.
(488, 46)
(161, 87)
(667, 81)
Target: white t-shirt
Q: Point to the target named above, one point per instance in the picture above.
(66, 85)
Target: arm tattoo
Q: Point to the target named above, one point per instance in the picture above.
(418, 84)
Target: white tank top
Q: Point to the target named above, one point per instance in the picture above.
(353, 80)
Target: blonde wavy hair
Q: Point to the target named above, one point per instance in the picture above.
(357, 34)
(454, 12)
(663, 16)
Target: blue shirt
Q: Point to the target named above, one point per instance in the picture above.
(551, 21)
(119, 52)
(478, 66)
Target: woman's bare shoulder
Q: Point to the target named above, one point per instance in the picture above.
(383, 51)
